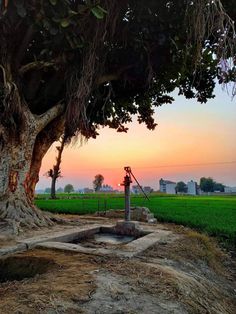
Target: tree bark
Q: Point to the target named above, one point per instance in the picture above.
(53, 188)
(20, 161)
(43, 142)
(15, 201)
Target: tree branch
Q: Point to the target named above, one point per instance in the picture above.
(25, 42)
(44, 119)
(35, 65)
(113, 76)
(107, 78)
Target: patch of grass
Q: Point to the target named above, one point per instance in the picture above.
(215, 216)
(193, 248)
(202, 247)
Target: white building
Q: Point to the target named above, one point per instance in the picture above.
(167, 186)
(147, 189)
(171, 188)
(230, 189)
(136, 189)
(192, 187)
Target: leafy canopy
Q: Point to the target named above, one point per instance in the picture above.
(209, 185)
(108, 60)
(181, 187)
(68, 188)
(97, 182)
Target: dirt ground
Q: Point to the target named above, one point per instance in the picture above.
(184, 273)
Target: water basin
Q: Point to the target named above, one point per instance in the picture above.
(112, 238)
(104, 239)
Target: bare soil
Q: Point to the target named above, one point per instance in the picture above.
(184, 273)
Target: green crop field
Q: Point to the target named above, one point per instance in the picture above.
(215, 215)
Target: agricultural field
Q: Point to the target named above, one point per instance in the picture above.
(215, 215)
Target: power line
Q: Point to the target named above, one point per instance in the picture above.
(169, 166)
(189, 165)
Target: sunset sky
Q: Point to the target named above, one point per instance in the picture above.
(188, 143)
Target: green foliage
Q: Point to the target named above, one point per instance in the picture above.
(181, 187)
(68, 188)
(99, 12)
(97, 182)
(113, 58)
(209, 185)
(53, 2)
(219, 187)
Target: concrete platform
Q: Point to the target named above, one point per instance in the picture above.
(21, 247)
(60, 240)
(135, 247)
(63, 236)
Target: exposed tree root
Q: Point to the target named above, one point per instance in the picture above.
(19, 214)
(16, 216)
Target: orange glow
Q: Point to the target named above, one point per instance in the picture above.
(188, 133)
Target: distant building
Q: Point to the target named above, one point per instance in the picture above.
(192, 188)
(136, 189)
(106, 188)
(147, 189)
(230, 189)
(167, 186)
(87, 190)
(171, 188)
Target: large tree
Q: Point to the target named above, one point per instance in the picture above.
(210, 185)
(70, 66)
(68, 188)
(181, 187)
(97, 182)
(207, 184)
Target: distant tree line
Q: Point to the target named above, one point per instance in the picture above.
(206, 185)
(97, 182)
(209, 185)
(67, 189)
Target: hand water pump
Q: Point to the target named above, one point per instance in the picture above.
(127, 180)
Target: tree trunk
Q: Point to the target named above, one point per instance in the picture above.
(20, 161)
(56, 168)
(16, 203)
(53, 187)
(44, 140)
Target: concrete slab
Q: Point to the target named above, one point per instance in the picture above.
(80, 249)
(59, 240)
(13, 249)
(141, 244)
(127, 250)
(62, 236)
